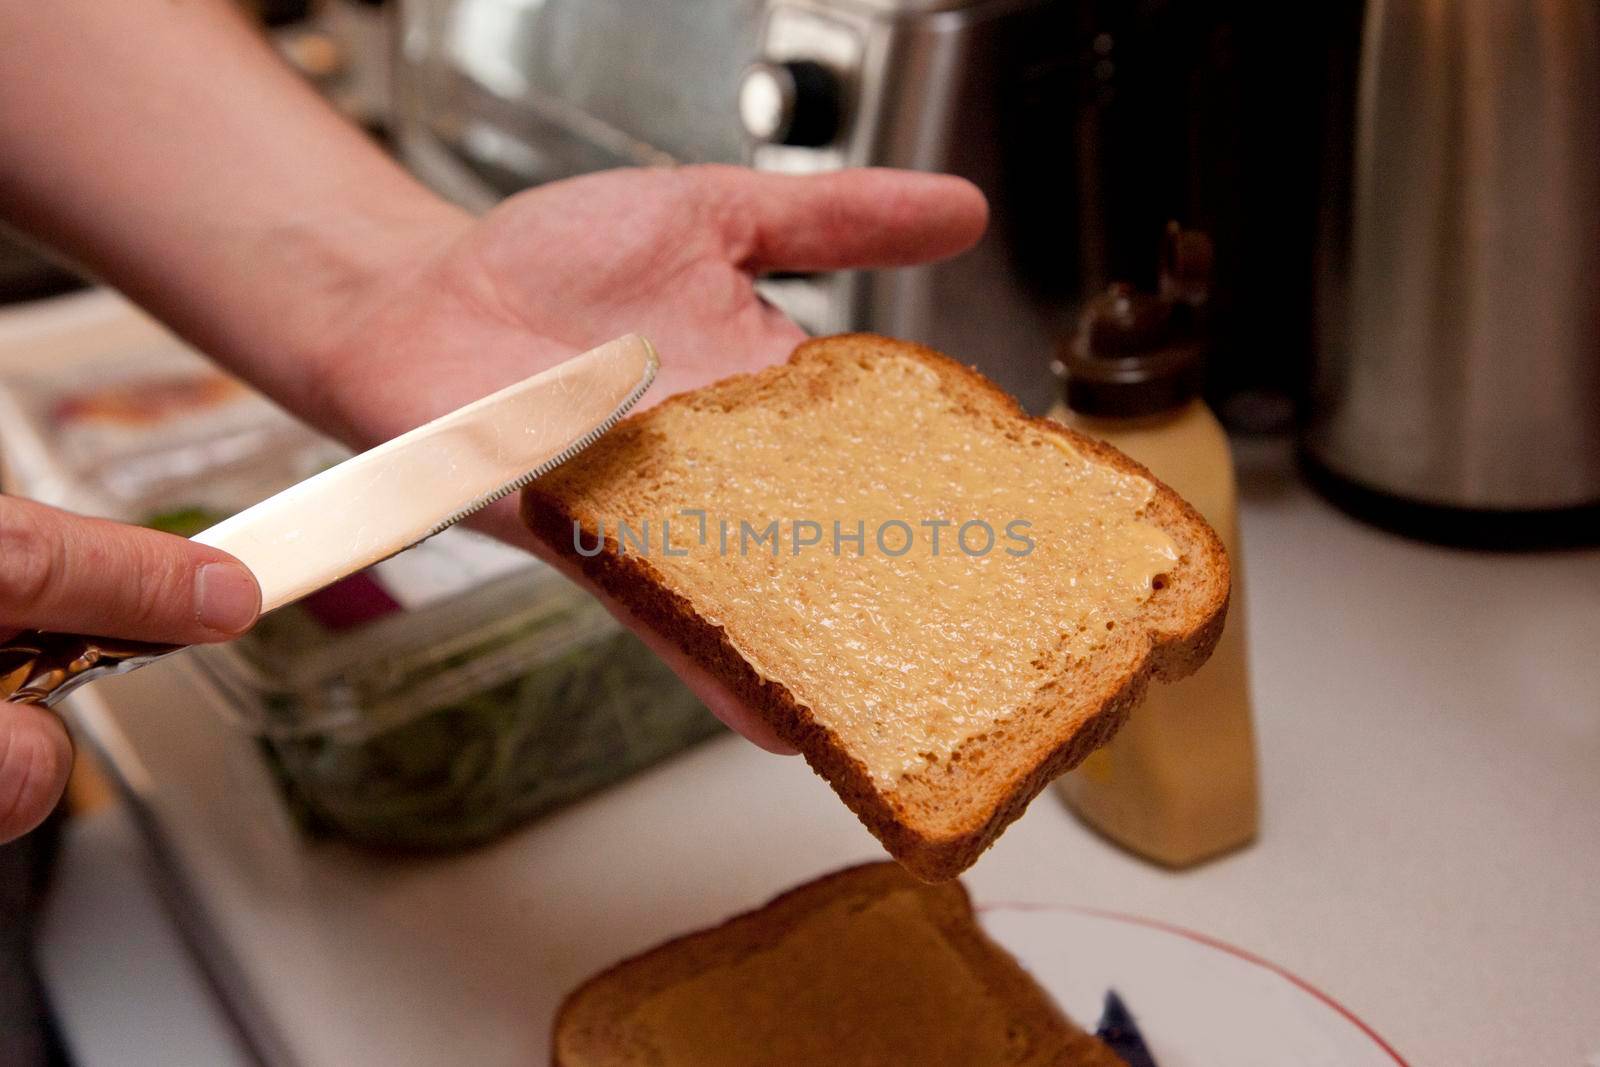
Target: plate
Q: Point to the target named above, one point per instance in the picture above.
(1198, 1002)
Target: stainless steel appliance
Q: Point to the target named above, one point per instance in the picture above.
(496, 95)
(1458, 350)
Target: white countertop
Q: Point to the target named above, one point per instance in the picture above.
(1429, 726)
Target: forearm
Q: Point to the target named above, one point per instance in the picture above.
(161, 144)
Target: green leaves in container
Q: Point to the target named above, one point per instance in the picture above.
(463, 773)
(185, 522)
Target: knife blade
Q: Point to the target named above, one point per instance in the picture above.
(383, 501)
(376, 504)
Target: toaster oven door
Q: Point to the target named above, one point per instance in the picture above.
(493, 96)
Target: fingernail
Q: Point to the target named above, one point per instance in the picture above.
(226, 597)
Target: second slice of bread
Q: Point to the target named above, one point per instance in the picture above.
(937, 694)
(863, 968)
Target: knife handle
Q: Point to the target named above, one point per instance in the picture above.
(41, 668)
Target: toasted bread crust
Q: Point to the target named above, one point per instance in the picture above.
(586, 1018)
(933, 838)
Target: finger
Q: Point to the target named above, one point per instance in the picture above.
(64, 572)
(735, 714)
(845, 219)
(35, 758)
(501, 520)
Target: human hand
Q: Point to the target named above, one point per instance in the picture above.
(66, 573)
(277, 239)
(670, 254)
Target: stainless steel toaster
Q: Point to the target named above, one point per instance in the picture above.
(496, 95)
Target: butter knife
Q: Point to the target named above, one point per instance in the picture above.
(374, 505)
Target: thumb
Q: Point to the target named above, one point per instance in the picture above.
(35, 757)
(865, 217)
(64, 572)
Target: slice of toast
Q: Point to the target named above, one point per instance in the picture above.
(938, 688)
(863, 967)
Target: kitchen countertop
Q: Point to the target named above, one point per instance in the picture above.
(1429, 727)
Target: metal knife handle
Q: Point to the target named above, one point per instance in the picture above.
(41, 668)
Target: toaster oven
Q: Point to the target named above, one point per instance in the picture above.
(493, 96)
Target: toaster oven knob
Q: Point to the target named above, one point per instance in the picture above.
(795, 103)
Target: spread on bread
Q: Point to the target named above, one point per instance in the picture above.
(940, 601)
(933, 624)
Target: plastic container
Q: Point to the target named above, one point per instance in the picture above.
(431, 701)
(441, 727)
